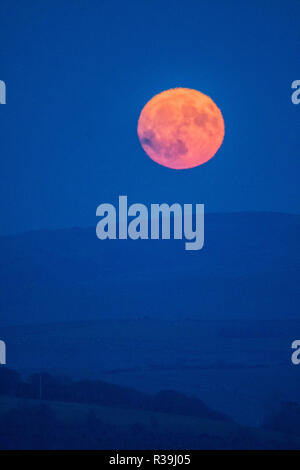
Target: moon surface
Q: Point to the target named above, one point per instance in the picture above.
(181, 128)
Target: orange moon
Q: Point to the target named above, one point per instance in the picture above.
(181, 128)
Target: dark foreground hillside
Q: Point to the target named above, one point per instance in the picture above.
(132, 421)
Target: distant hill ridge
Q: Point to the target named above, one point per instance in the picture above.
(250, 265)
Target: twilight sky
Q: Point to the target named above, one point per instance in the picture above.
(78, 74)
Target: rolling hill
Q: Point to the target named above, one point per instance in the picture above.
(249, 266)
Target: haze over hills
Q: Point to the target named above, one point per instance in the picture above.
(249, 266)
(217, 323)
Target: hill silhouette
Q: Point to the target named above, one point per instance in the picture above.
(250, 266)
(54, 388)
(99, 415)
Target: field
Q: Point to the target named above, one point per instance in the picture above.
(203, 433)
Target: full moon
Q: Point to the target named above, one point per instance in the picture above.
(181, 128)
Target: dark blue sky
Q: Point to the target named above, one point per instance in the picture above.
(79, 72)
